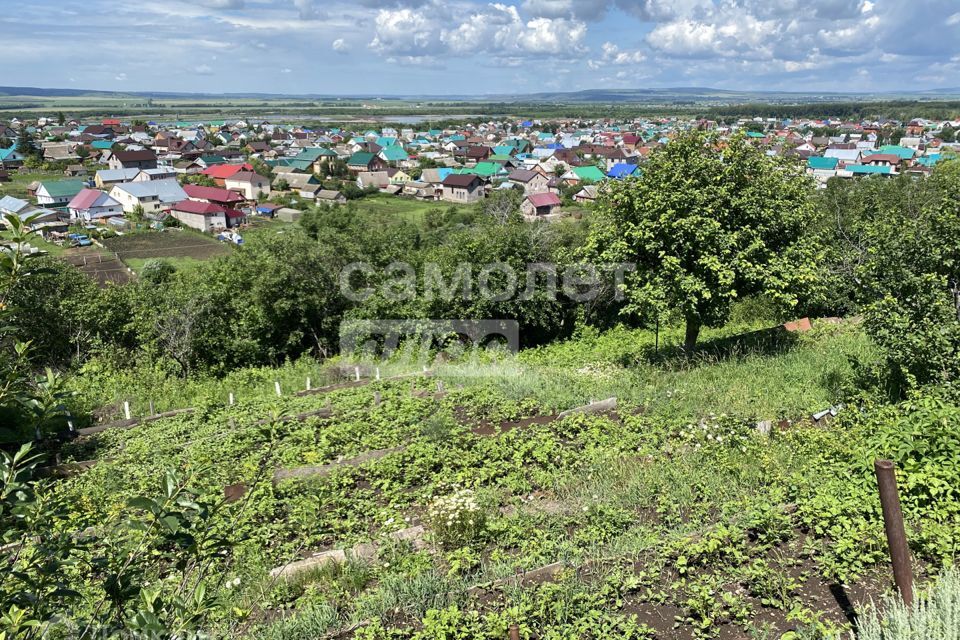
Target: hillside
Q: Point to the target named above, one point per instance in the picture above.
(460, 500)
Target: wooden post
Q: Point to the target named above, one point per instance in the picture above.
(231, 398)
(378, 373)
(376, 398)
(893, 524)
(356, 371)
(308, 383)
(514, 632)
(126, 409)
(152, 410)
(276, 385)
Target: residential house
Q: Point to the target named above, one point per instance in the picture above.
(9, 205)
(463, 188)
(160, 173)
(220, 172)
(224, 197)
(477, 153)
(623, 170)
(586, 195)
(393, 154)
(10, 157)
(296, 181)
(151, 196)
(378, 179)
(58, 194)
(844, 156)
(138, 159)
(398, 176)
(587, 174)
(365, 161)
(252, 185)
(532, 181)
(330, 197)
(92, 204)
(539, 204)
(203, 216)
(106, 178)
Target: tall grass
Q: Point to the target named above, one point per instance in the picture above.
(804, 375)
(935, 615)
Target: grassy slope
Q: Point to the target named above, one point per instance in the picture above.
(636, 497)
(781, 376)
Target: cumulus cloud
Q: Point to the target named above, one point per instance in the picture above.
(340, 45)
(496, 29)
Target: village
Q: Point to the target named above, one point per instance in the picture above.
(217, 176)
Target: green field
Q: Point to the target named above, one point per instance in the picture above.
(17, 186)
(184, 249)
(402, 208)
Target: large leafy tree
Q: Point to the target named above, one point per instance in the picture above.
(709, 222)
(910, 275)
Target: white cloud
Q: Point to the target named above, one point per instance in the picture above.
(496, 29)
(406, 32)
(340, 45)
(953, 20)
(121, 77)
(203, 70)
(613, 55)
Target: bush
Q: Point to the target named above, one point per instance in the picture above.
(935, 615)
(457, 519)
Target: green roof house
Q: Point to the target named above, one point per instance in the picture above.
(822, 164)
(59, 193)
(589, 173)
(394, 153)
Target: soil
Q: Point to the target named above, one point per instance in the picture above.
(99, 265)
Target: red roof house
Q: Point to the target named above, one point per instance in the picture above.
(223, 197)
(540, 204)
(220, 172)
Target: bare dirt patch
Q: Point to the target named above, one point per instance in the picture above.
(100, 265)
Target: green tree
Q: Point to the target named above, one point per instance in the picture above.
(910, 275)
(710, 222)
(948, 133)
(25, 142)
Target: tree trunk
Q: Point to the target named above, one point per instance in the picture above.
(692, 333)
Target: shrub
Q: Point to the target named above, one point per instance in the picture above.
(457, 519)
(935, 615)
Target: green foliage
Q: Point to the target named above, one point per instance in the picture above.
(934, 614)
(456, 519)
(708, 223)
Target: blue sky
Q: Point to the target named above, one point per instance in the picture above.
(473, 47)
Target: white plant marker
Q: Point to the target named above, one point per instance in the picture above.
(126, 409)
(276, 385)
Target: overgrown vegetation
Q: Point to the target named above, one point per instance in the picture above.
(709, 503)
